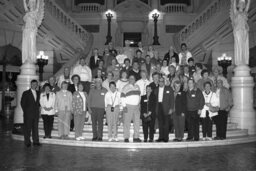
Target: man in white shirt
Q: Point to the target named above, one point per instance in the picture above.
(143, 82)
(184, 55)
(85, 74)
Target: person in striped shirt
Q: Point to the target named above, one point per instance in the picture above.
(130, 96)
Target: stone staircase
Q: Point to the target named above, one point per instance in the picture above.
(233, 131)
(211, 26)
(58, 29)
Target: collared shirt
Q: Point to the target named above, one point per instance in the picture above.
(160, 94)
(84, 72)
(34, 94)
(84, 100)
(113, 99)
(142, 84)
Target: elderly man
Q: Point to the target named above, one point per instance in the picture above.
(85, 74)
(216, 76)
(96, 107)
(65, 77)
(53, 86)
(130, 100)
(226, 103)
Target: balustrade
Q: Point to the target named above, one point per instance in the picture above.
(89, 7)
(174, 8)
(206, 15)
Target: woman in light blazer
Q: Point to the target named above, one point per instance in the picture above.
(79, 105)
(47, 102)
(63, 107)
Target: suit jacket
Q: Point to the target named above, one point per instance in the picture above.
(94, 64)
(148, 105)
(168, 100)
(180, 103)
(29, 105)
(71, 88)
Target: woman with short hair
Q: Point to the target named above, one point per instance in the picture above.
(63, 106)
(47, 102)
(79, 105)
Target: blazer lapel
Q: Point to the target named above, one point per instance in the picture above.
(32, 95)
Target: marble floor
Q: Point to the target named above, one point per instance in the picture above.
(15, 157)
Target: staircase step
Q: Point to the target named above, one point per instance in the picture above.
(88, 135)
(87, 127)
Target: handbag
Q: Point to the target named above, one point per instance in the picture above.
(213, 109)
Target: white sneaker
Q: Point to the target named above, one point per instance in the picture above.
(78, 138)
(204, 139)
(110, 140)
(82, 138)
(116, 139)
(209, 139)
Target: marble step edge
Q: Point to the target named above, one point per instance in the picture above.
(233, 133)
(120, 128)
(134, 146)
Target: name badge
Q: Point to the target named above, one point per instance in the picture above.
(65, 95)
(102, 94)
(77, 96)
(146, 100)
(167, 92)
(179, 93)
(193, 95)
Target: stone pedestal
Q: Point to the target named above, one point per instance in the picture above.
(243, 112)
(28, 73)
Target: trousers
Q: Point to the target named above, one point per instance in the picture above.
(64, 123)
(207, 126)
(112, 118)
(97, 122)
(133, 114)
(179, 125)
(48, 124)
(193, 125)
(79, 124)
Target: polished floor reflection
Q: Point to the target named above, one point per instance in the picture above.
(14, 156)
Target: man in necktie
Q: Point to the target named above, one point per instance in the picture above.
(30, 106)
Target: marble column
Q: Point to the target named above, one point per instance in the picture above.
(28, 73)
(243, 112)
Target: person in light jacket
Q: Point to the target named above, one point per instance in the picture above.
(113, 107)
(47, 102)
(63, 107)
(79, 105)
(211, 100)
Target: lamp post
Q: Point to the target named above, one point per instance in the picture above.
(109, 16)
(224, 61)
(155, 17)
(42, 60)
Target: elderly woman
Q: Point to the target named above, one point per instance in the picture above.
(210, 110)
(47, 102)
(79, 104)
(63, 106)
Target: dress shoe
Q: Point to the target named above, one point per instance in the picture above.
(126, 140)
(216, 138)
(159, 140)
(150, 141)
(45, 137)
(189, 139)
(145, 140)
(37, 144)
(165, 141)
(175, 139)
(136, 140)
(196, 139)
(99, 139)
(28, 145)
(50, 137)
(94, 139)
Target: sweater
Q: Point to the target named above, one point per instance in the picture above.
(96, 98)
(195, 100)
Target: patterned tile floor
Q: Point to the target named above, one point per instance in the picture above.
(14, 156)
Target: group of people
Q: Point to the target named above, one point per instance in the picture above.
(171, 94)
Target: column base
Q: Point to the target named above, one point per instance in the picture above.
(28, 73)
(243, 112)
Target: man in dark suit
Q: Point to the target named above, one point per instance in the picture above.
(94, 60)
(164, 108)
(30, 106)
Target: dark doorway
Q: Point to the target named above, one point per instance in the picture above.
(134, 37)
